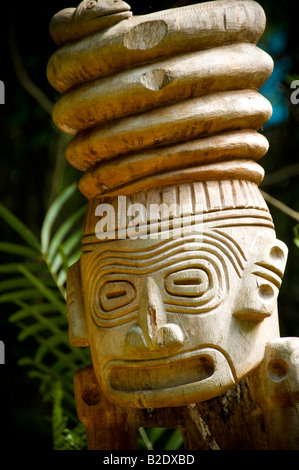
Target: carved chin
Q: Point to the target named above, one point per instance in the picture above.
(184, 379)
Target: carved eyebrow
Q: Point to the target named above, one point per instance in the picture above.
(170, 252)
(269, 273)
(273, 269)
(131, 267)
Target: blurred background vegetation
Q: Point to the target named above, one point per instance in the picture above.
(34, 173)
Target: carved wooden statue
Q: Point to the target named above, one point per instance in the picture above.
(176, 288)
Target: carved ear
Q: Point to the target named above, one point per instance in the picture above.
(261, 283)
(78, 333)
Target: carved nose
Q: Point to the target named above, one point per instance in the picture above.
(152, 331)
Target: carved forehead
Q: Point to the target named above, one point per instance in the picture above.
(197, 207)
(234, 249)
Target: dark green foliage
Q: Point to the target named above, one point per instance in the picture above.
(63, 437)
(35, 285)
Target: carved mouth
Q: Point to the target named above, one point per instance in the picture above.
(119, 13)
(131, 378)
(176, 381)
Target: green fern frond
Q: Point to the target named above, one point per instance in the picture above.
(49, 294)
(16, 249)
(62, 232)
(51, 217)
(63, 437)
(20, 228)
(35, 284)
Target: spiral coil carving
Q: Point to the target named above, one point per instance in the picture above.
(162, 93)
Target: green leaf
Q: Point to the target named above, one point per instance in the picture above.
(62, 232)
(40, 299)
(31, 330)
(73, 257)
(52, 345)
(49, 371)
(14, 297)
(51, 216)
(156, 433)
(61, 279)
(66, 250)
(63, 437)
(34, 310)
(14, 283)
(57, 326)
(49, 348)
(15, 249)
(296, 235)
(59, 421)
(49, 294)
(175, 441)
(49, 324)
(19, 227)
(13, 268)
(145, 439)
(19, 283)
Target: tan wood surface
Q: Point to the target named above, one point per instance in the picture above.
(176, 289)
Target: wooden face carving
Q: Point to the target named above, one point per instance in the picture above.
(178, 321)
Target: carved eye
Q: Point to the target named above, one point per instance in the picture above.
(116, 294)
(187, 282)
(90, 4)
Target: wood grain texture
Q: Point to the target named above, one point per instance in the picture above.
(145, 38)
(231, 421)
(90, 16)
(161, 83)
(158, 338)
(186, 120)
(176, 288)
(275, 388)
(247, 170)
(114, 174)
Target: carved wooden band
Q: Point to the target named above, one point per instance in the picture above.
(161, 99)
(208, 204)
(182, 121)
(162, 83)
(172, 31)
(244, 145)
(235, 169)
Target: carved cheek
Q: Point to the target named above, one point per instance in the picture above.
(261, 283)
(257, 299)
